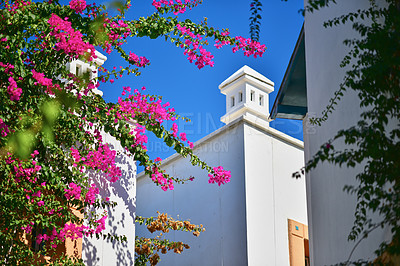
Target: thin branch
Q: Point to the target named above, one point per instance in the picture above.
(359, 241)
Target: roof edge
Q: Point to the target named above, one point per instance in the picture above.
(274, 108)
(273, 132)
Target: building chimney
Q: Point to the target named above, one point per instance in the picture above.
(247, 96)
(79, 67)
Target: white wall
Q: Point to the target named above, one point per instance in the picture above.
(272, 195)
(220, 209)
(331, 211)
(246, 219)
(120, 219)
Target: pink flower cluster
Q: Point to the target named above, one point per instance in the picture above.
(192, 43)
(101, 224)
(102, 159)
(3, 128)
(7, 67)
(220, 176)
(28, 228)
(190, 144)
(91, 194)
(46, 82)
(218, 44)
(179, 6)
(139, 61)
(182, 135)
(70, 40)
(74, 191)
(75, 154)
(41, 79)
(140, 138)
(51, 237)
(13, 90)
(16, 5)
(205, 58)
(74, 231)
(139, 104)
(29, 173)
(77, 5)
(118, 32)
(32, 196)
(249, 47)
(125, 90)
(70, 230)
(175, 130)
(159, 178)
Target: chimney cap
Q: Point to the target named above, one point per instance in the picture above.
(245, 72)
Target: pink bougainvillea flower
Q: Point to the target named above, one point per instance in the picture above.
(77, 5)
(70, 40)
(74, 191)
(101, 224)
(3, 128)
(190, 144)
(13, 90)
(183, 136)
(91, 194)
(71, 231)
(175, 130)
(34, 154)
(43, 81)
(139, 61)
(220, 176)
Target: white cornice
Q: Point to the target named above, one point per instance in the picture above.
(242, 110)
(246, 74)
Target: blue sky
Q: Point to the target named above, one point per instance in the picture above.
(194, 93)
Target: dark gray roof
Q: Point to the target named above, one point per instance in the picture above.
(291, 101)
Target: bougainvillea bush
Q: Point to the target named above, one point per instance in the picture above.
(52, 122)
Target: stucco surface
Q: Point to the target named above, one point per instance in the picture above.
(330, 210)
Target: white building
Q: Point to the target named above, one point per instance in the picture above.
(312, 77)
(254, 219)
(121, 219)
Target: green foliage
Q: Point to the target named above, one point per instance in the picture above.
(255, 19)
(314, 5)
(39, 128)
